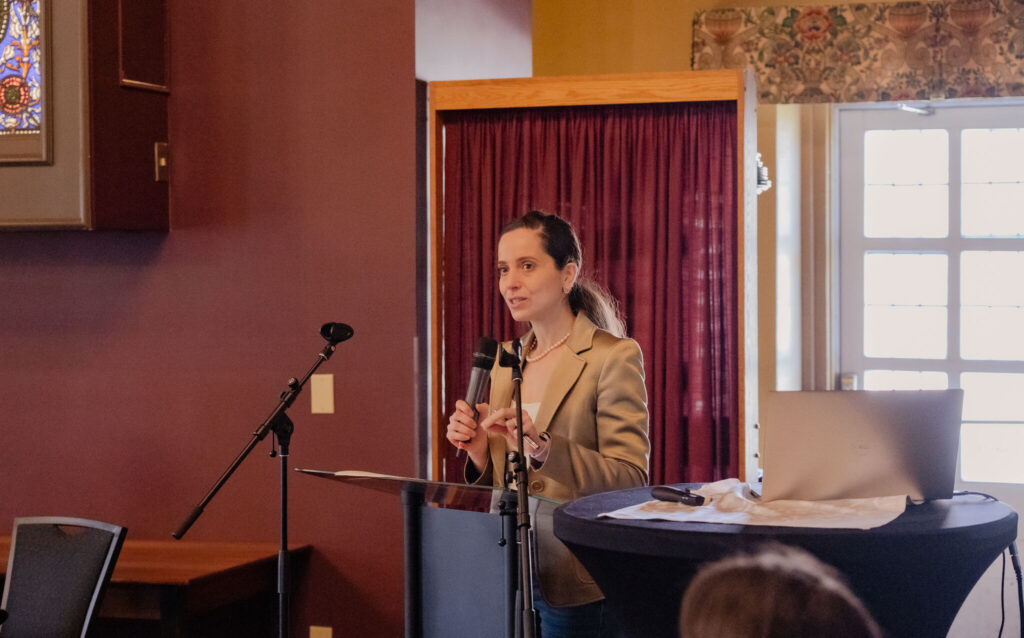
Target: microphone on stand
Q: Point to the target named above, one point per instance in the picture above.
(511, 359)
(336, 332)
(483, 360)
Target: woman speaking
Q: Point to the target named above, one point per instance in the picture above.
(584, 408)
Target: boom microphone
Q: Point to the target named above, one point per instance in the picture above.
(336, 332)
(512, 359)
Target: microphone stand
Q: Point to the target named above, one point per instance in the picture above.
(520, 461)
(282, 427)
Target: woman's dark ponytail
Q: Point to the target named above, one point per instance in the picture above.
(590, 298)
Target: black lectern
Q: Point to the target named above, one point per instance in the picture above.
(473, 591)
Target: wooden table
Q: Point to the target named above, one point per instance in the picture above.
(176, 582)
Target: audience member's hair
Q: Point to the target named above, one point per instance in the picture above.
(778, 592)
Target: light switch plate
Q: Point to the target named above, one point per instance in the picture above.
(160, 161)
(321, 393)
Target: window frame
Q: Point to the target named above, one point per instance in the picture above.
(852, 122)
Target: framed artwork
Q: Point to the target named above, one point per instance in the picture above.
(888, 51)
(24, 80)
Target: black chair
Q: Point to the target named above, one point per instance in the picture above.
(56, 575)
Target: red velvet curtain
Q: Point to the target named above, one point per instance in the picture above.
(651, 190)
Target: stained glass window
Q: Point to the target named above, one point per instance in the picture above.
(21, 95)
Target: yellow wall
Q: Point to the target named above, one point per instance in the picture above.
(581, 37)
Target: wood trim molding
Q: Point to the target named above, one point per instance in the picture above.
(436, 229)
(640, 88)
(746, 285)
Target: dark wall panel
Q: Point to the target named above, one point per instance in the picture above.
(133, 367)
(124, 124)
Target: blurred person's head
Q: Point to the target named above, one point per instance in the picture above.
(778, 592)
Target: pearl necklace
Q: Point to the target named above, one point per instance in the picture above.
(538, 357)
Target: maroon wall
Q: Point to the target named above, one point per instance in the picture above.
(135, 366)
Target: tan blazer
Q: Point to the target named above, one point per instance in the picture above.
(595, 412)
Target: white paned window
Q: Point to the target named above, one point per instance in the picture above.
(932, 267)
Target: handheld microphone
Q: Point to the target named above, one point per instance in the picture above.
(676, 495)
(336, 332)
(483, 361)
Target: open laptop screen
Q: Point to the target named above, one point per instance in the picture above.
(859, 444)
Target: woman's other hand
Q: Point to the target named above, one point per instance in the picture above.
(503, 422)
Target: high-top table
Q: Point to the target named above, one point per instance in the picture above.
(913, 573)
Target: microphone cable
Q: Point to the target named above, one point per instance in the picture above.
(1015, 561)
(1002, 597)
(1020, 587)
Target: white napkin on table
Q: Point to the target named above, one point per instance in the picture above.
(733, 503)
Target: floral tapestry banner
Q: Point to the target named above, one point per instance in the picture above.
(869, 52)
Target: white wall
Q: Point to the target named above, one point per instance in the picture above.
(473, 39)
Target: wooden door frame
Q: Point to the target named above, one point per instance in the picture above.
(642, 88)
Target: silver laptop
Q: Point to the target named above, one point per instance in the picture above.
(857, 444)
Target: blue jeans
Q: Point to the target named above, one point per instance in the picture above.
(592, 620)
